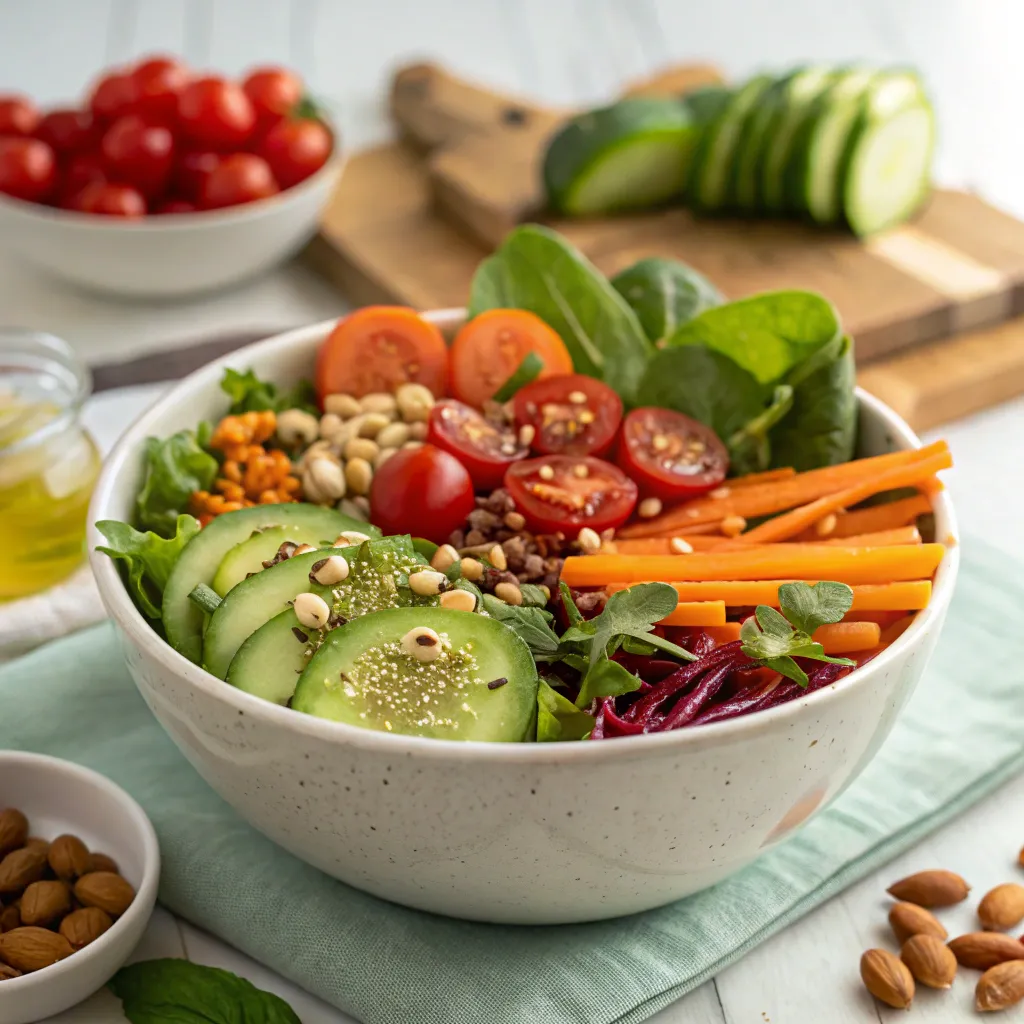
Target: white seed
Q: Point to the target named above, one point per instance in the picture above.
(427, 582)
(297, 427)
(527, 432)
(382, 456)
(361, 448)
(496, 556)
(327, 479)
(410, 445)
(349, 537)
(418, 431)
(580, 470)
(459, 600)
(355, 508)
(358, 476)
(303, 549)
(372, 423)
(345, 406)
(317, 450)
(720, 492)
(649, 508)
(515, 521)
(472, 570)
(589, 540)
(414, 402)
(823, 527)
(659, 442)
(546, 473)
(394, 435)
(422, 643)
(330, 570)
(311, 610)
(733, 526)
(444, 557)
(509, 593)
(379, 401)
(577, 398)
(678, 546)
(332, 426)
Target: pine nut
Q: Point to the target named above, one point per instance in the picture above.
(515, 521)
(509, 593)
(720, 492)
(459, 600)
(733, 526)
(296, 427)
(330, 570)
(444, 558)
(472, 570)
(496, 556)
(418, 431)
(826, 525)
(372, 424)
(422, 643)
(311, 610)
(327, 479)
(527, 432)
(349, 537)
(428, 583)
(546, 590)
(589, 541)
(344, 406)
(678, 546)
(649, 508)
(332, 426)
(409, 445)
(414, 402)
(382, 456)
(358, 476)
(361, 448)
(394, 435)
(379, 401)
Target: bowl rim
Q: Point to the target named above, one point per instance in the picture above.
(145, 893)
(118, 603)
(77, 220)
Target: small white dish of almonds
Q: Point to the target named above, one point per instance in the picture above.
(79, 867)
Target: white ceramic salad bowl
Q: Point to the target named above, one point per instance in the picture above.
(522, 833)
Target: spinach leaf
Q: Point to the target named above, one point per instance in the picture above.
(749, 448)
(665, 294)
(821, 429)
(174, 468)
(250, 394)
(148, 558)
(605, 678)
(558, 718)
(538, 270)
(181, 992)
(531, 623)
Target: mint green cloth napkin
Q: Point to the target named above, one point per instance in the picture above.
(961, 735)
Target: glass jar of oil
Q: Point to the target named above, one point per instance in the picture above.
(48, 463)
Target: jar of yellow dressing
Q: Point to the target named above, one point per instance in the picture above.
(48, 463)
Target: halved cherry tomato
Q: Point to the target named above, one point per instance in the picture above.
(567, 492)
(113, 96)
(570, 414)
(18, 115)
(68, 131)
(215, 113)
(490, 347)
(379, 348)
(296, 149)
(239, 178)
(138, 153)
(669, 455)
(158, 83)
(273, 92)
(484, 448)
(110, 200)
(28, 168)
(423, 491)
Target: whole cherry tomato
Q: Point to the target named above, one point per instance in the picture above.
(18, 115)
(295, 149)
(158, 84)
(68, 131)
(110, 200)
(423, 491)
(113, 96)
(28, 169)
(190, 171)
(215, 113)
(175, 206)
(239, 178)
(138, 153)
(274, 92)
(83, 169)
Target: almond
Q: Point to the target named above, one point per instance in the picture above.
(1000, 986)
(44, 903)
(930, 961)
(101, 862)
(1002, 907)
(69, 857)
(105, 890)
(887, 978)
(35, 843)
(6, 973)
(13, 830)
(931, 889)
(32, 949)
(83, 926)
(20, 868)
(908, 919)
(10, 918)
(982, 950)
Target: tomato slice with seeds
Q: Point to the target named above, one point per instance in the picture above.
(671, 456)
(489, 348)
(567, 492)
(571, 414)
(486, 449)
(379, 348)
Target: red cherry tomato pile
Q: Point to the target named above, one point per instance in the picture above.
(158, 138)
(590, 464)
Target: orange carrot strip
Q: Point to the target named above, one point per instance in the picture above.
(879, 539)
(884, 619)
(790, 523)
(889, 516)
(662, 545)
(767, 477)
(845, 637)
(931, 486)
(776, 496)
(723, 634)
(697, 613)
(779, 561)
(896, 630)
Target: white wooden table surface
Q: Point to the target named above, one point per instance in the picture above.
(568, 51)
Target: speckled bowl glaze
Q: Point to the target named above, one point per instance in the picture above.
(522, 833)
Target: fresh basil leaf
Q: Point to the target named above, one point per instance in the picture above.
(749, 448)
(558, 718)
(148, 558)
(538, 270)
(808, 606)
(250, 394)
(665, 294)
(532, 624)
(605, 678)
(182, 992)
(174, 469)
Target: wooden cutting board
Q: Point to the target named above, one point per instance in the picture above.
(411, 220)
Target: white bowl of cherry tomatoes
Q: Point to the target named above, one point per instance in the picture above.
(165, 182)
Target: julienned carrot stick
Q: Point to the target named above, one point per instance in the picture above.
(778, 561)
(879, 597)
(697, 613)
(753, 479)
(889, 516)
(896, 630)
(884, 619)
(846, 637)
(724, 634)
(791, 523)
(776, 496)
(879, 539)
(662, 545)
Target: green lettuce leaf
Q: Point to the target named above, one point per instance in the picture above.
(558, 718)
(175, 467)
(250, 394)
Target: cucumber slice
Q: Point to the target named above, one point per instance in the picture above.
(483, 686)
(746, 173)
(269, 663)
(248, 557)
(888, 173)
(708, 188)
(199, 561)
(629, 156)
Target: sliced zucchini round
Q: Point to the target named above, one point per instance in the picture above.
(754, 138)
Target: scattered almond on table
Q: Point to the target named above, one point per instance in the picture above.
(55, 897)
